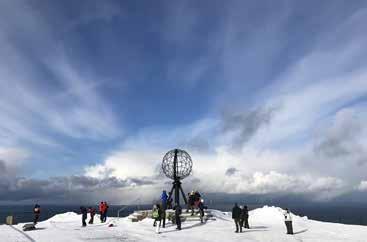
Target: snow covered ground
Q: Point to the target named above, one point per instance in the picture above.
(266, 225)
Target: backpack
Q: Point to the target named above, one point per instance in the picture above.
(155, 213)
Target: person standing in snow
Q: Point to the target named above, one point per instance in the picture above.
(288, 221)
(84, 212)
(157, 215)
(178, 211)
(201, 210)
(191, 203)
(92, 212)
(236, 216)
(105, 211)
(169, 201)
(37, 213)
(164, 198)
(101, 211)
(197, 198)
(244, 217)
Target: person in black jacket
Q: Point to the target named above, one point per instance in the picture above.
(169, 201)
(201, 210)
(37, 213)
(92, 212)
(236, 216)
(191, 203)
(178, 211)
(244, 217)
(84, 212)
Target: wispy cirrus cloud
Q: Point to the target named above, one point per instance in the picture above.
(46, 93)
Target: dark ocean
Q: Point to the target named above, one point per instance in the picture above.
(334, 213)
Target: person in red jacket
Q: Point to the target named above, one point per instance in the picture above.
(101, 211)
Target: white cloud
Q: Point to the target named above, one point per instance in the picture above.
(126, 164)
(362, 186)
(13, 156)
(279, 183)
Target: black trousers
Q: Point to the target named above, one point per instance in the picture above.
(164, 218)
(201, 215)
(245, 223)
(289, 226)
(238, 225)
(36, 218)
(83, 220)
(178, 222)
(105, 216)
(91, 220)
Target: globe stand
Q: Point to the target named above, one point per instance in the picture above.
(177, 188)
(177, 169)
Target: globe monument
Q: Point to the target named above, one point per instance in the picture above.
(177, 165)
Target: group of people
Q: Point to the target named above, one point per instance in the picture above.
(103, 208)
(159, 211)
(84, 211)
(240, 216)
(195, 201)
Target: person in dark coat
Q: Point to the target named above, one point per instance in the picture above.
(178, 211)
(37, 213)
(164, 198)
(84, 212)
(105, 211)
(244, 217)
(201, 210)
(236, 216)
(191, 203)
(169, 201)
(197, 197)
(288, 221)
(92, 212)
(157, 215)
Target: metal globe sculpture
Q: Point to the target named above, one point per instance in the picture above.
(183, 165)
(177, 165)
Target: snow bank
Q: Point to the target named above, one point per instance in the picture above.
(266, 224)
(65, 217)
(269, 214)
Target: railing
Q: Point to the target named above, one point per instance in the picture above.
(136, 201)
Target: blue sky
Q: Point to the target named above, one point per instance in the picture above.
(100, 90)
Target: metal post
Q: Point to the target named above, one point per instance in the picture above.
(176, 179)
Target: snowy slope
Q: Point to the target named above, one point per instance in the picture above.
(266, 225)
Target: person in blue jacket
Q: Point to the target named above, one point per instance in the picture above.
(164, 198)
